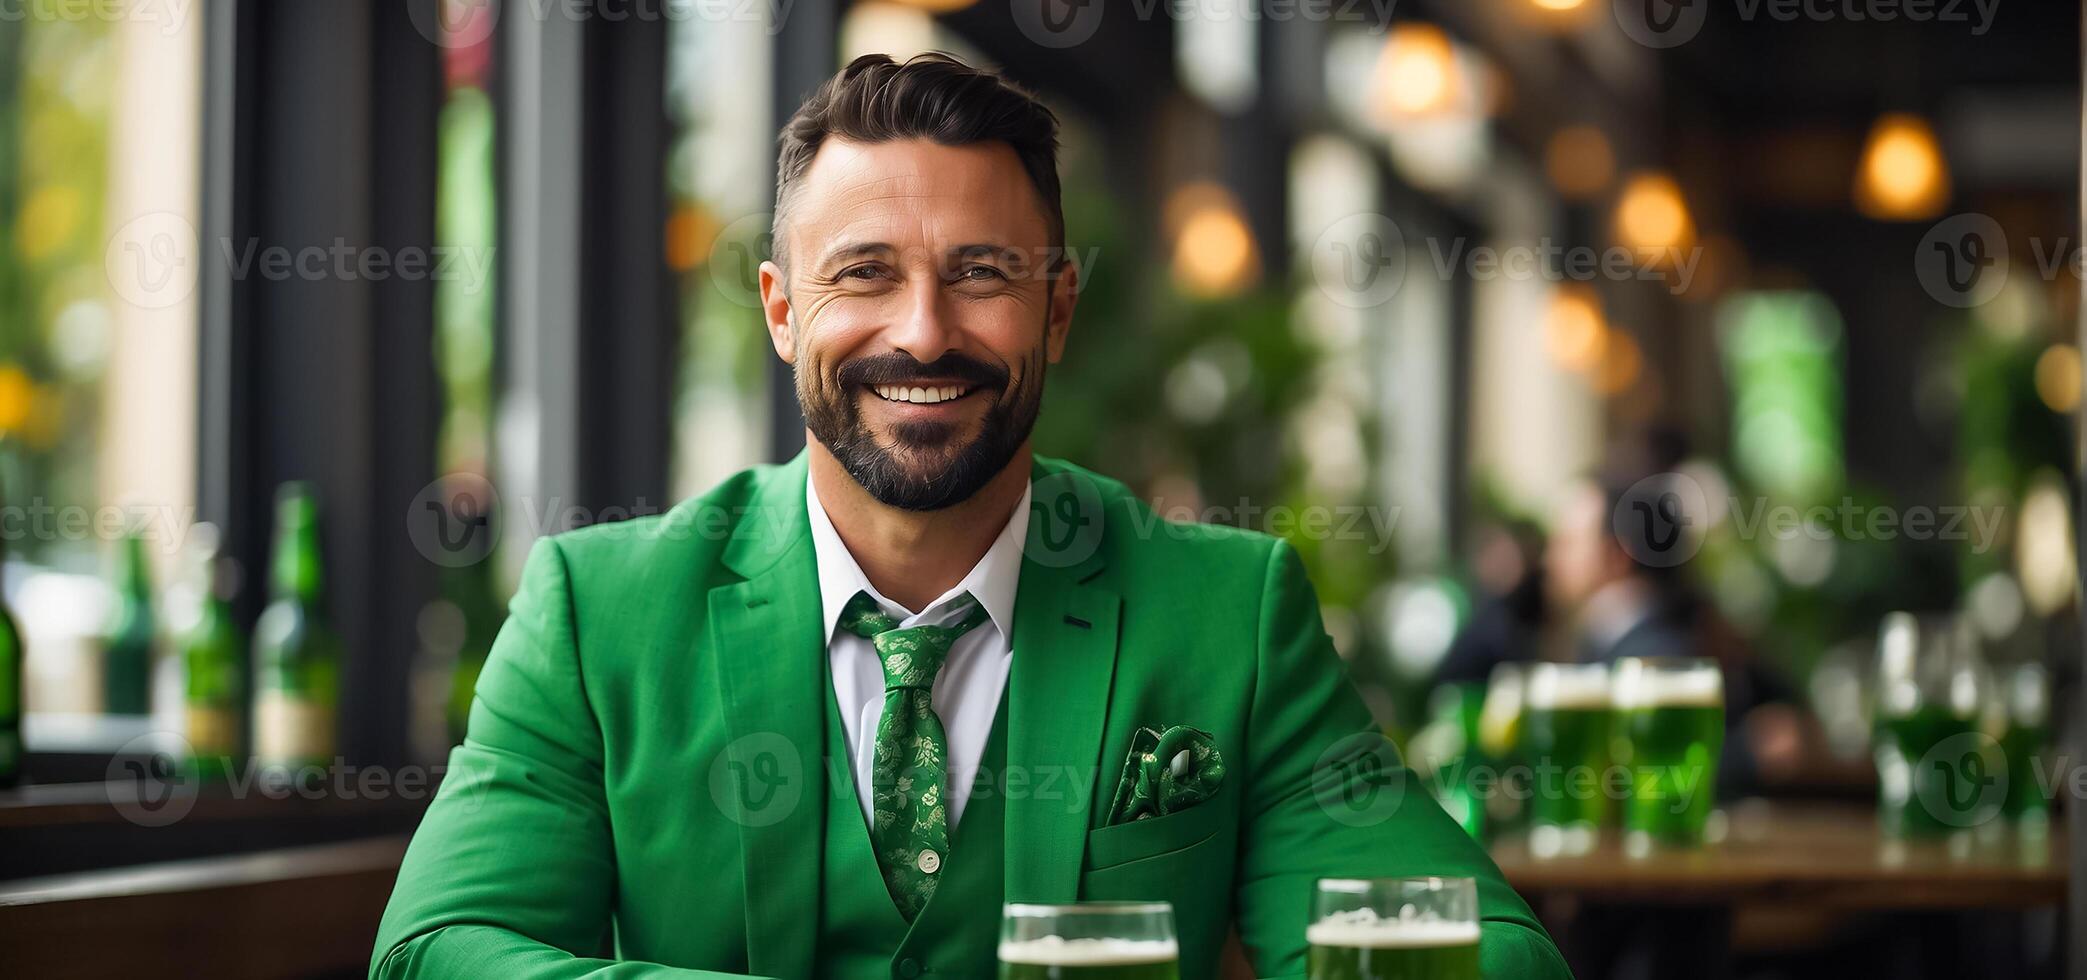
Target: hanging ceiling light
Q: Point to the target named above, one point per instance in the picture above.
(1214, 250)
(1652, 217)
(1903, 176)
(1416, 75)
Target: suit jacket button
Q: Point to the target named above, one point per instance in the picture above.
(929, 862)
(909, 968)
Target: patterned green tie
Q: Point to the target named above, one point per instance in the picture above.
(909, 773)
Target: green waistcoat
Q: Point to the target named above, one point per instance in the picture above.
(861, 934)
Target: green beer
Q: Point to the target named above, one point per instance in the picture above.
(1565, 741)
(1390, 949)
(296, 656)
(2028, 735)
(1091, 959)
(1091, 940)
(1908, 791)
(214, 667)
(1933, 765)
(1670, 729)
(127, 646)
(1393, 929)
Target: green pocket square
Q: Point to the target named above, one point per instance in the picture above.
(1166, 772)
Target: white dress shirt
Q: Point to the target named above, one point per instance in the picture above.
(967, 691)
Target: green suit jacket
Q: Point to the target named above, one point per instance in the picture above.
(642, 788)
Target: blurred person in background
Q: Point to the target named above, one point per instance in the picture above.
(1604, 605)
(1507, 566)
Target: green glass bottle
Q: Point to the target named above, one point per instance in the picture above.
(296, 655)
(213, 660)
(127, 646)
(11, 657)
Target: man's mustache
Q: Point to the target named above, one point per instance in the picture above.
(899, 367)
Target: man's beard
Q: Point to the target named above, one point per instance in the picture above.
(835, 419)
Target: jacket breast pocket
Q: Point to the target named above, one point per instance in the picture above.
(1139, 840)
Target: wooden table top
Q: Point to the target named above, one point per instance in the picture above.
(1833, 854)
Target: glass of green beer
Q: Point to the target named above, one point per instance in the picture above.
(2028, 709)
(1393, 929)
(1565, 741)
(1670, 727)
(1088, 941)
(1933, 764)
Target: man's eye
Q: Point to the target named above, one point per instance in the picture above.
(863, 273)
(980, 273)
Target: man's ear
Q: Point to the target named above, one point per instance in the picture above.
(1065, 294)
(775, 308)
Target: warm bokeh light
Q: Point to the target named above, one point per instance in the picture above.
(938, 6)
(1651, 215)
(1214, 252)
(2044, 557)
(690, 233)
(1903, 176)
(1574, 333)
(17, 398)
(1621, 362)
(2058, 377)
(1579, 161)
(1417, 73)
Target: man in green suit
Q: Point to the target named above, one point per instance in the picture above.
(823, 720)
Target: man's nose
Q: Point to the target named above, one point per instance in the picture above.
(924, 326)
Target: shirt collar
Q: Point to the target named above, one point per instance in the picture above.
(992, 581)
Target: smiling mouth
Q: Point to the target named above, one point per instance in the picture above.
(921, 395)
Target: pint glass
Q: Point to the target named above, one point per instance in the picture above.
(1565, 741)
(1089, 941)
(1670, 716)
(1393, 929)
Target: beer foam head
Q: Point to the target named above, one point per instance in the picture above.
(1639, 686)
(1059, 951)
(1567, 686)
(1365, 929)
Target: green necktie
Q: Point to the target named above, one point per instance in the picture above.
(910, 771)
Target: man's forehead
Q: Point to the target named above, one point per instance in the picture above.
(970, 190)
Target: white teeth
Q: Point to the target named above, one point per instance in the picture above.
(917, 395)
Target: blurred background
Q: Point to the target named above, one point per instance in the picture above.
(1550, 331)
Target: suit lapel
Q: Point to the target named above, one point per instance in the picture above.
(1058, 688)
(771, 670)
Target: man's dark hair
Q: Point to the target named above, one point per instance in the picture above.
(933, 97)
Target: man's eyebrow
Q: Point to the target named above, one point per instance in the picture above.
(855, 250)
(982, 250)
